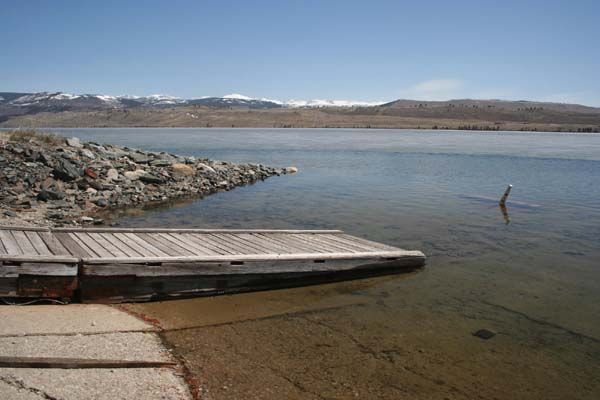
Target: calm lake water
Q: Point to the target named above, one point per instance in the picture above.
(533, 276)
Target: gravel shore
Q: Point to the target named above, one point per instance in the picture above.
(55, 181)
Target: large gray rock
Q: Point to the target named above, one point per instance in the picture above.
(66, 171)
(138, 157)
(74, 142)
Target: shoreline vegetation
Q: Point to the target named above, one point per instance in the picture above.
(455, 115)
(51, 180)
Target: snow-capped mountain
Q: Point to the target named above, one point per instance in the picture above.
(330, 103)
(124, 101)
(12, 103)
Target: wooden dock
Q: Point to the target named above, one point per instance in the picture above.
(116, 265)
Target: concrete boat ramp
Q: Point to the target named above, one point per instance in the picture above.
(87, 335)
(121, 265)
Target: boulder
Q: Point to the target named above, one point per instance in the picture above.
(87, 153)
(66, 171)
(74, 142)
(112, 174)
(182, 169)
(150, 178)
(138, 157)
(160, 163)
(204, 167)
(47, 194)
(134, 175)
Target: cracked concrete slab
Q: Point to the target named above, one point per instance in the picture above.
(72, 318)
(89, 332)
(107, 346)
(97, 384)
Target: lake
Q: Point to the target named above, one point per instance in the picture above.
(532, 276)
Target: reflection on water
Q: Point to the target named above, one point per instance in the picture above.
(535, 281)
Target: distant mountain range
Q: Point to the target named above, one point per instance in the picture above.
(46, 109)
(27, 103)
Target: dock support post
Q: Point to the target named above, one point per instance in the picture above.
(505, 196)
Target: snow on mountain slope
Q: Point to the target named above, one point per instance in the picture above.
(306, 103)
(237, 96)
(63, 101)
(330, 103)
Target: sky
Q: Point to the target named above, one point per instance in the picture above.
(354, 50)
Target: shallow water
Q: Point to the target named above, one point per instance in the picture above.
(535, 279)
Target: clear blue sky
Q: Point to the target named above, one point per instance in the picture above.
(361, 50)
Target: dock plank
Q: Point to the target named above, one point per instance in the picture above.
(316, 243)
(209, 242)
(38, 243)
(83, 245)
(234, 248)
(252, 247)
(98, 238)
(53, 244)
(129, 252)
(181, 251)
(73, 247)
(10, 244)
(164, 248)
(207, 248)
(93, 244)
(146, 245)
(24, 243)
(285, 243)
(178, 239)
(132, 244)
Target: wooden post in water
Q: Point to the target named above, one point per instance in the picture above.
(505, 196)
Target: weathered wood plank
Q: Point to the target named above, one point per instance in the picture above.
(171, 251)
(78, 363)
(24, 243)
(226, 243)
(180, 240)
(287, 244)
(255, 267)
(192, 250)
(132, 244)
(25, 228)
(10, 243)
(38, 243)
(9, 258)
(206, 240)
(177, 230)
(314, 243)
(38, 268)
(92, 244)
(114, 250)
(129, 252)
(206, 248)
(53, 243)
(269, 246)
(82, 244)
(74, 248)
(259, 257)
(181, 251)
(354, 239)
(145, 245)
(340, 245)
(235, 240)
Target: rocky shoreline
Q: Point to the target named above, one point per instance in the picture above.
(55, 181)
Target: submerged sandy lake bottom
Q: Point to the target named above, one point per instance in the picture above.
(535, 280)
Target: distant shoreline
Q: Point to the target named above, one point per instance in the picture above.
(335, 118)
